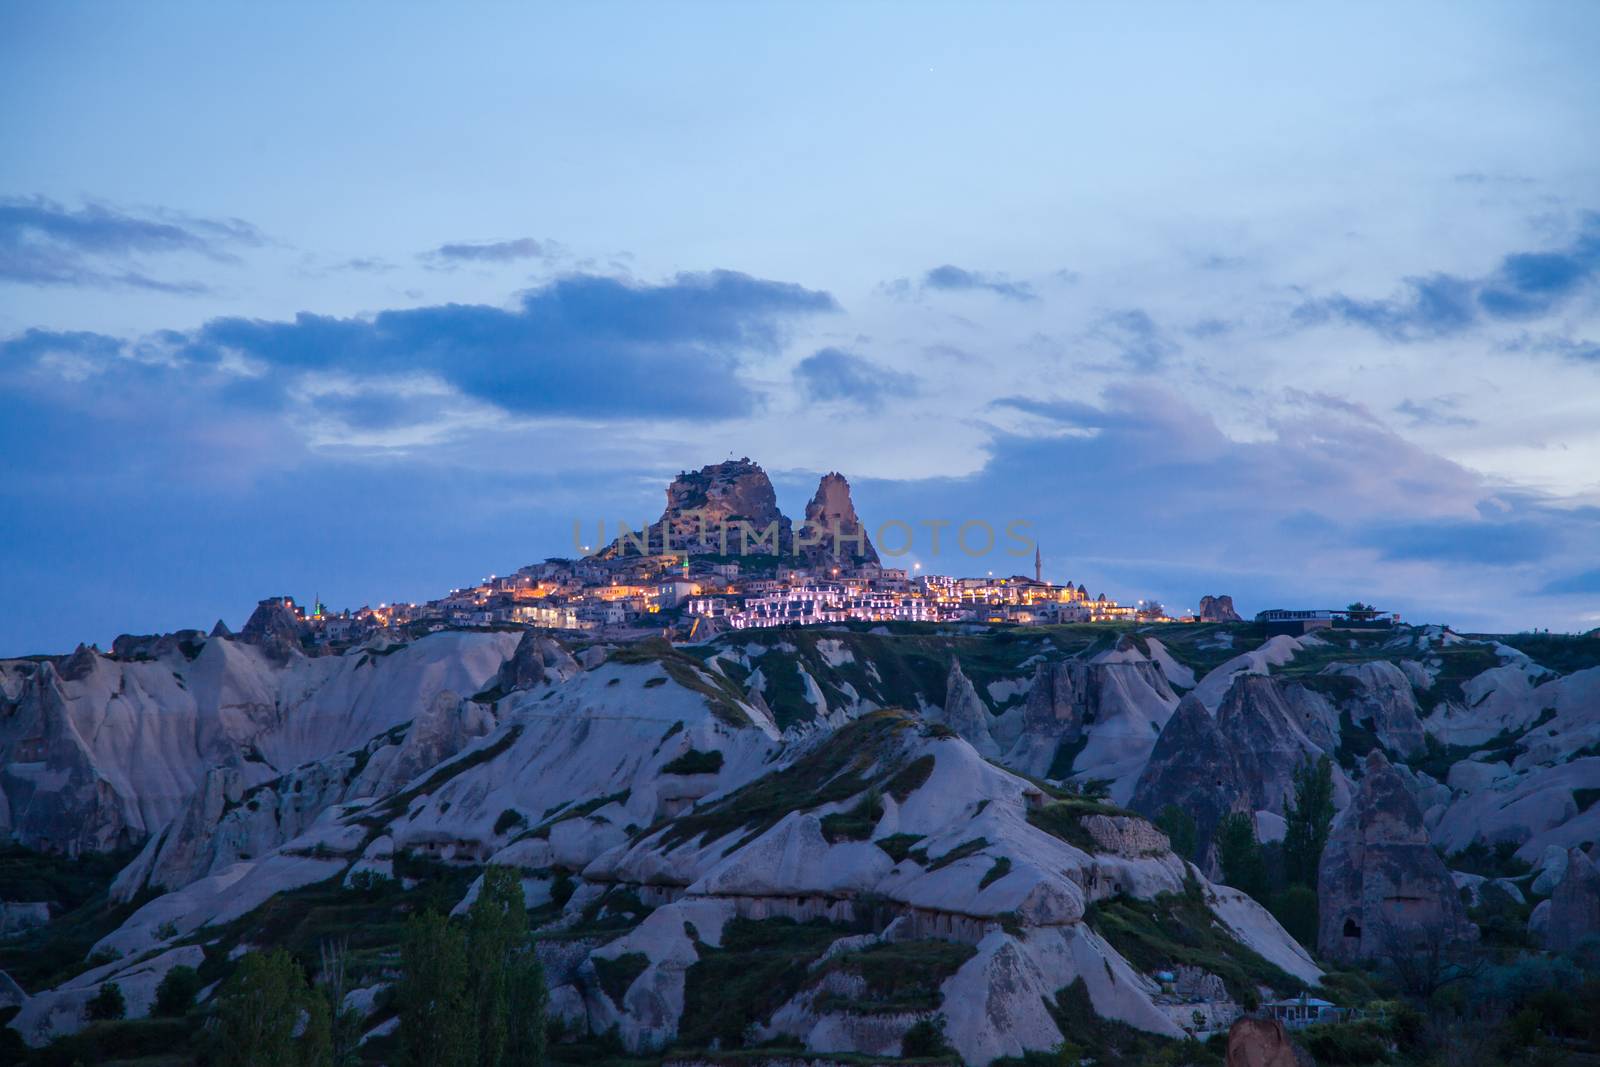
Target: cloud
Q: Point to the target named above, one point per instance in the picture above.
(954, 279)
(1435, 412)
(449, 255)
(1320, 505)
(832, 374)
(1067, 412)
(1525, 285)
(45, 243)
(1138, 340)
(1468, 541)
(1584, 583)
(580, 346)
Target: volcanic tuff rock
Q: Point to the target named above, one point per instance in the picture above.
(1575, 903)
(1256, 1042)
(831, 522)
(965, 713)
(1380, 881)
(1195, 769)
(708, 510)
(1269, 741)
(1218, 609)
(1111, 712)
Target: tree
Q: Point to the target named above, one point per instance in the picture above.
(1180, 828)
(175, 995)
(107, 1003)
(436, 1010)
(259, 1011)
(1296, 909)
(508, 991)
(344, 1024)
(1309, 815)
(1240, 855)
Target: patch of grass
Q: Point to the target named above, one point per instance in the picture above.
(902, 976)
(760, 965)
(48, 955)
(960, 852)
(833, 771)
(1109, 1043)
(1491, 861)
(1179, 928)
(1585, 798)
(856, 824)
(448, 770)
(1063, 818)
(1001, 868)
(695, 762)
(910, 778)
(898, 846)
(1563, 653)
(1067, 753)
(618, 975)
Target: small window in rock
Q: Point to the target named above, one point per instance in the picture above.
(1351, 929)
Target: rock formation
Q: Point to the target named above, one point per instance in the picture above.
(1218, 609)
(965, 713)
(1254, 1042)
(721, 508)
(831, 530)
(1380, 884)
(1269, 742)
(1575, 903)
(273, 628)
(1194, 768)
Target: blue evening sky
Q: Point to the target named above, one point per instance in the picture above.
(1296, 303)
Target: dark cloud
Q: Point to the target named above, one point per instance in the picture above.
(1469, 541)
(579, 346)
(45, 243)
(955, 279)
(1585, 583)
(832, 374)
(487, 251)
(1525, 285)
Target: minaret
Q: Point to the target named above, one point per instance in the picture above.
(1038, 565)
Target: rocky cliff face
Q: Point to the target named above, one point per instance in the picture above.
(721, 508)
(1217, 609)
(1194, 768)
(1575, 903)
(1381, 885)
(831, 524)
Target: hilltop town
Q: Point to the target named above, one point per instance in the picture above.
(722, 557)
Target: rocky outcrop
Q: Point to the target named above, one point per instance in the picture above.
(1268, 741)
(538, 659)
(273, 628)
(1105, 715)
(1575, 903)
(1217, 609)
(1381, 886)
(965, 713)
(711, 510)
(1255, 1042)
(1386, 698)
(1195, 769)
(831, 530)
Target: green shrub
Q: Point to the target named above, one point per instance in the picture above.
(618, 974)
(695, 762)
(106, 1004)
(175, 995)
